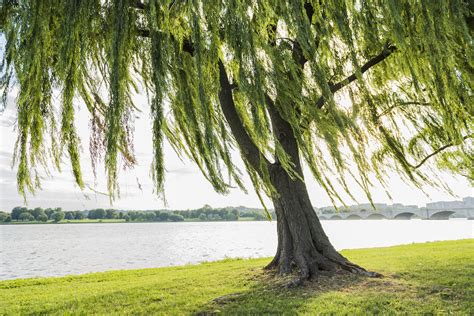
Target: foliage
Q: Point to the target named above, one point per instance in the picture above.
(57, 216)
(79, 215)
(16, 211)
(96, 214)
(42, 218)
(4, 216)
(231, 217)
(111, 214)
(26, 217)
(69, 215)
(49, 212)
(37, 212)
(205, 213)
(176, 218)
(430, 278)
(383, 85)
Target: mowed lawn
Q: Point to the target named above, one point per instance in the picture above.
(433, 278)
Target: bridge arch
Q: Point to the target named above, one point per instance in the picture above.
(376, 216)
(442, 215)
(335, 217)
(353, 216)
(404, 215)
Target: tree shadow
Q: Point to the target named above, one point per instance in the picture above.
(269, 294)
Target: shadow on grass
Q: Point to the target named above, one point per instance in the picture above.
(270, 296)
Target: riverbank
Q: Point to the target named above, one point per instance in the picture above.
(187, 220)
(67, 221)
(115, 221)
(429, 278)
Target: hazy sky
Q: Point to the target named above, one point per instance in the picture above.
(185, 186)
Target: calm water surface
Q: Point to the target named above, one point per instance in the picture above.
(54, 250)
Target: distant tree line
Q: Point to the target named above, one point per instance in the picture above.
(206, 213)
(38, 214)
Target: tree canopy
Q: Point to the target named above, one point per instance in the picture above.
(366, 85)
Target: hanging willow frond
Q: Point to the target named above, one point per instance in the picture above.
(366, 86)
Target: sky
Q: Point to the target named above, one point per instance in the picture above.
(185, 187)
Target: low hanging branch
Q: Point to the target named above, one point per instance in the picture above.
(388, 110)
(250, 151)
(388, 50)
(437, 151)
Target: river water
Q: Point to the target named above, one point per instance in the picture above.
(55, 250)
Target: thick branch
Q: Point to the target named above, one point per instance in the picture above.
(297, 52)
(143, 32)
(283, 133)
(248, 148)
(369, 64)
(137, 4)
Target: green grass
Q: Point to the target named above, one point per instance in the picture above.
(430, 278)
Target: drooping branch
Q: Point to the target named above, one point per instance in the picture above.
(250, 151)
(388, 50)
(437, 151)
(248, 148)
(388, 110)
(187, 44)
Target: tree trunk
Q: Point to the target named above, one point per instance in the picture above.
(302, 242)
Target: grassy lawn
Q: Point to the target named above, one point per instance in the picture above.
(430, 278)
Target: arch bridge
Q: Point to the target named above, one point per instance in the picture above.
(402, 214)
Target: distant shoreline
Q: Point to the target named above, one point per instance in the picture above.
(120, 221)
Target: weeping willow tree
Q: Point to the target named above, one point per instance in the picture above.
(352, 89)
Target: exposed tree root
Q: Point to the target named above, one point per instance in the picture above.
(324, 266)
(299, 280)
